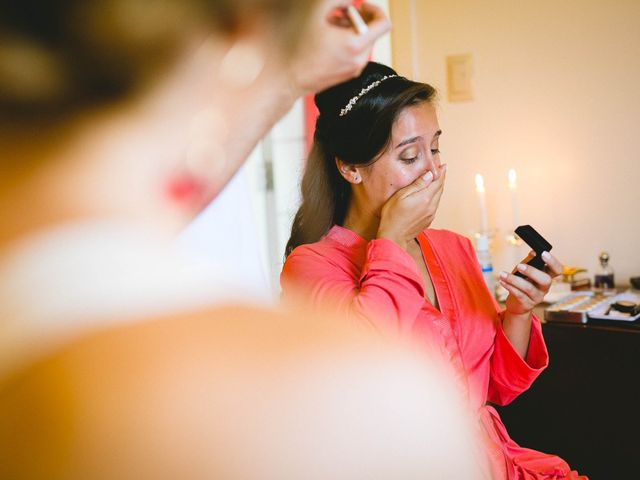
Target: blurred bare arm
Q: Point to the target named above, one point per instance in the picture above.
(330, 52)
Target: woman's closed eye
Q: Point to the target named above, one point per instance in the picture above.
(435, 151)
(409, 156)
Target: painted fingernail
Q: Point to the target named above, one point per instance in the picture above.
(427, 177)
(546, 256)
(522, 267)
(504, 275)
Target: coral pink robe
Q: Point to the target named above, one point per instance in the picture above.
(379, 282)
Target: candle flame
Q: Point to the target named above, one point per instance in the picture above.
(479, 183)
(513, 183)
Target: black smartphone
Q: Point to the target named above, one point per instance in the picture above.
(537, 243)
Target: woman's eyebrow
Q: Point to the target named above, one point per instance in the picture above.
(416, 138)
(408, 141)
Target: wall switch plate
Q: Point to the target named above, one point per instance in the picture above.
(459, 76)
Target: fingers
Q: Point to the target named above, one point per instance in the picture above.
(430, 190)
(538, 277)
(440, 189)
(331, 5)
(528, 291)
(553, 264)
(529, 256)
(412, 209)
(332, 51)
(527, 294)
(434, 183)
(417, 185)
(518, 301)
(359, 45)
(437, 187)
(442, 172)
(340, 21)
(377, 22)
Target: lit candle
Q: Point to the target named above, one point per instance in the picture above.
(482, 202)
(513, 186)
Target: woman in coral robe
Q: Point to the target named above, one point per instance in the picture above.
(361, 243)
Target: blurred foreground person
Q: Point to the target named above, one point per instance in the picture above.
(235, 394)
(120, 120)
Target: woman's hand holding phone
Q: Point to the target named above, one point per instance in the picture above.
(528, 290)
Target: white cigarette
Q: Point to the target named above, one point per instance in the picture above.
(356, 20)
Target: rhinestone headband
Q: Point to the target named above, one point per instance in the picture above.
(364, 91)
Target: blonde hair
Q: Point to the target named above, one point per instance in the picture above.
(60, 57)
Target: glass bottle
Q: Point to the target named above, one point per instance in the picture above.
(484, 258)
(604, 276)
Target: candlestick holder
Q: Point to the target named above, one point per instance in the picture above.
(516, 249)
(514, 240)
(484, 237)
(513, 254)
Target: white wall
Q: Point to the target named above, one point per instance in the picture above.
(557, 96)
(287, 150)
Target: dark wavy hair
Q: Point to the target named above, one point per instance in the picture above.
(357, 138)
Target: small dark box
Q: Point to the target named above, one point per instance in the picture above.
(537, 243)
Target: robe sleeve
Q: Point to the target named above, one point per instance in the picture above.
(510, 373)
(388, 292)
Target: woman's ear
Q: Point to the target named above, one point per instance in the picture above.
(350, 173)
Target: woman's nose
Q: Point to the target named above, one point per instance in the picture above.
(431, 165)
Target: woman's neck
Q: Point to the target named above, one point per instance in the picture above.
(362, 220)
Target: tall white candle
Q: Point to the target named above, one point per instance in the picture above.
(482, 202)
(513, 189)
